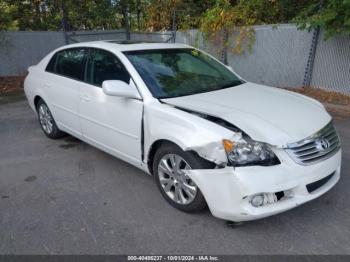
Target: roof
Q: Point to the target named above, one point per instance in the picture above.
(127, 45)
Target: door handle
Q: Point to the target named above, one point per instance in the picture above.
(85, 98)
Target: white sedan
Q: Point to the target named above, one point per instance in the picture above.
(207, 136)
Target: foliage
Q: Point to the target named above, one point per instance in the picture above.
(47, 14)
(331, 15)
(227, 19)
(150, 15)
(159, 13)
(30, 15)
(211, 16)
(6, 11)
(238, 17)
(92, 15)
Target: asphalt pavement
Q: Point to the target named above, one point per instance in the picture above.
(66, 197)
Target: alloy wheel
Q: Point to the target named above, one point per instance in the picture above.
(174, 181)
(45, 117)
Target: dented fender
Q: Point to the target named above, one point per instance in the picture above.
(188, 131)
(213, 151)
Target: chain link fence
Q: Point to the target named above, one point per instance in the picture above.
(284, 56)
(280, 54)
(332, 64)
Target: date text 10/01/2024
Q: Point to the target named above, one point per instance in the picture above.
(173, 258)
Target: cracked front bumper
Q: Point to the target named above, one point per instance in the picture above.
(228, 190)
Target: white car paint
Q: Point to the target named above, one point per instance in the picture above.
(266, 114)
(261, 110)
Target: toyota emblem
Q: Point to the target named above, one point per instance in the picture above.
(322, 144)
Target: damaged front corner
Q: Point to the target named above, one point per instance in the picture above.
(214, 151)
(218, 187)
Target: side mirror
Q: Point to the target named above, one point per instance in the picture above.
(120, 88)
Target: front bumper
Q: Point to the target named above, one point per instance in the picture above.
(228, 190)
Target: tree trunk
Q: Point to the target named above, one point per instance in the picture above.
(125, 11)
(37, 16)
(65, 26)
(138, 14)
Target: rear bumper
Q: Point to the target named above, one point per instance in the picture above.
(228, 191)
(29, 93)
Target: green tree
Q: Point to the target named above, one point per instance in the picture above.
(237, 17)
(47, 14)
(188, 13)
(331, 15)
(6, 16)
(92, 14)
(211, 16)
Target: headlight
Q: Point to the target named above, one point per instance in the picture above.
(246, 152)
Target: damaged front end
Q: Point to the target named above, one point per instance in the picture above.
(252, 179)
(237, 150)
(253, 192)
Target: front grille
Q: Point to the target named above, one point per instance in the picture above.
(313, 149)
(316, 185)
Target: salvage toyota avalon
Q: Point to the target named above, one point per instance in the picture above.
(207, 136)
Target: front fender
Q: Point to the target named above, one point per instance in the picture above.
(189, 132)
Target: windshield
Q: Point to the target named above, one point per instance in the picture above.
(179, 72)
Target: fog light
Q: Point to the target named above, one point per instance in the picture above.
(257, 200)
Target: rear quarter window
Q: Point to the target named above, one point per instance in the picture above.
(51, 65)
(69, 63)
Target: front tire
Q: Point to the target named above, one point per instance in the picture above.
(176, 187)
(47, 122)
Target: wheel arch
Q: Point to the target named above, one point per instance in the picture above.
(152, 151)
(37, 98)
(157, 144)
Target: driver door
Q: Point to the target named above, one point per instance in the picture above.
(109, 122)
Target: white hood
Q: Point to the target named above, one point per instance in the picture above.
(266, 114)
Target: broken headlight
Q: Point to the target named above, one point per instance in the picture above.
(247, 152)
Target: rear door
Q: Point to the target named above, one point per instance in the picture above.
(110, 122)
(66, 73)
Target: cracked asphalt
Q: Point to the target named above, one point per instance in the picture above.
(66, 197)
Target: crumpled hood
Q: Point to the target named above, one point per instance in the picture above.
(266, 114)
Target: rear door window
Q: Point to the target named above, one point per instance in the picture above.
(71, 63)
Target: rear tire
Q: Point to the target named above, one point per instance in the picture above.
(177, 188)
(47, 122)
